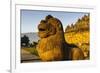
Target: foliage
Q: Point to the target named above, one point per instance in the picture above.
(33, 44)
(24, 41)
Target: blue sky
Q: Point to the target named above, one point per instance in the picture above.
(31, 18)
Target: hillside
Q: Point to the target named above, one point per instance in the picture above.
(33, 36)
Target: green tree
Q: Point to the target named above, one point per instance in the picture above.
(24, 41)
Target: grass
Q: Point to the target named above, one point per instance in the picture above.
(32, 50)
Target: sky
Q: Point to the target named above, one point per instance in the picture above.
(31, 18)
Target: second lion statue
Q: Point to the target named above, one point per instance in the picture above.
(52, 45)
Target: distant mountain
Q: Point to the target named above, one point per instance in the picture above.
(33, 36)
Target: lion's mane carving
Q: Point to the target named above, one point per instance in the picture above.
(52, 45)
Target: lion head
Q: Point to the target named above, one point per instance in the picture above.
(49, 26)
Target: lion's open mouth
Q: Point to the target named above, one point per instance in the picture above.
(42, 29)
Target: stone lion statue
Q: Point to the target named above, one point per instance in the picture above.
(52, 45)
